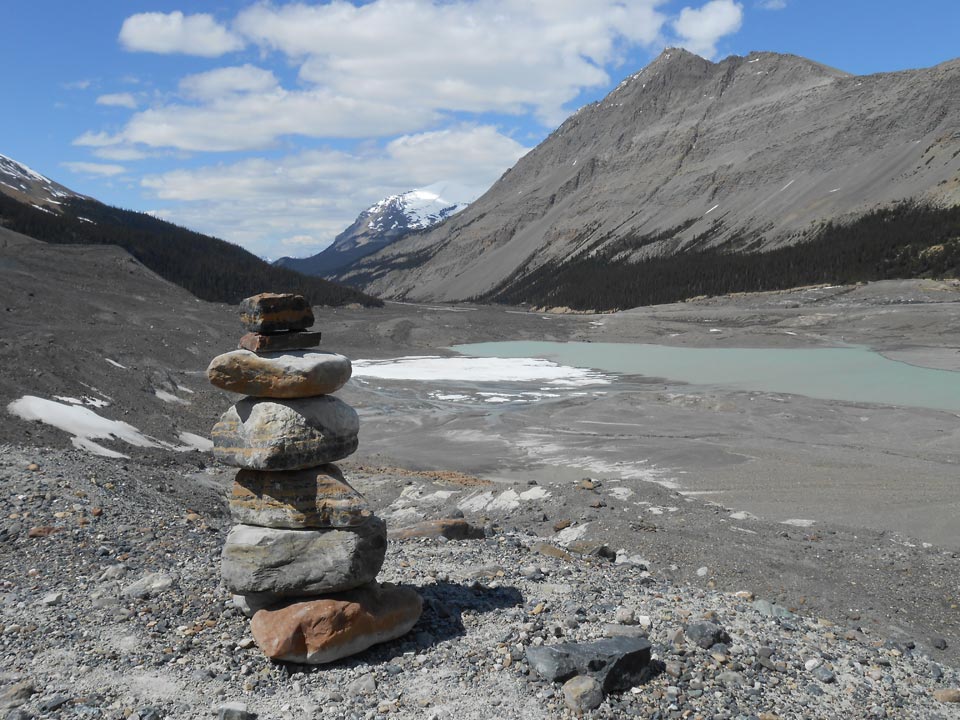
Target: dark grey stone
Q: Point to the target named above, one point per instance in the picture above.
(234, 711)
(617, 664)
(824, 674)
(706, 634)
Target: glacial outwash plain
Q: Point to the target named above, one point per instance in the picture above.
(787, 556)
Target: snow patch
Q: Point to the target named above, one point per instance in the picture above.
(116, 364)
(170, 397)
(84, 424)
(799, 522)
(570, 534)
(196, 441)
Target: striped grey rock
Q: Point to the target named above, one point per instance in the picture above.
(298, 563)
(260, 434)
(317, 497)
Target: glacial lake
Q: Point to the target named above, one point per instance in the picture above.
(853, 374)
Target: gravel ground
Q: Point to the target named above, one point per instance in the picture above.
(82, 637)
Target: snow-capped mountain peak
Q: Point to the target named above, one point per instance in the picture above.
(416, 209)
(24, 183)
(385, 222)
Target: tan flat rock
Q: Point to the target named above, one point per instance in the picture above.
(295, 374)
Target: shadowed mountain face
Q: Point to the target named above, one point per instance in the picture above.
(382, 224)
(209, 268)
(748, 154)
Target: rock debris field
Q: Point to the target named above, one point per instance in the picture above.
(111, 607)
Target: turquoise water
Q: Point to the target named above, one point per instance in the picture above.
(852, 374)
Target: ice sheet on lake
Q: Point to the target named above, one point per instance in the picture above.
(468, 369)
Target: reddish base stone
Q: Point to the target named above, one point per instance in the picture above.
(325, 629)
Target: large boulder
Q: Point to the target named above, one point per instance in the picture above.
(275, 312)
(322, 630)
(279, 375)
(285, 434)
(316, 497)
(298, 563)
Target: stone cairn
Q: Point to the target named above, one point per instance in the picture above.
(304, 559)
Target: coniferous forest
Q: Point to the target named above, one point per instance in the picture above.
(909, 240)
(209, 268)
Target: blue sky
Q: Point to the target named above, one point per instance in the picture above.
(273, 125)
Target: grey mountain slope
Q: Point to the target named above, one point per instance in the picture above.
(753, 150)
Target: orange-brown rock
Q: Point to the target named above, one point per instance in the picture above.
(296, 374)
(279, 342)
(451, 529)
(317, 497)
(326, 629)
(275, 312)
(42, 531)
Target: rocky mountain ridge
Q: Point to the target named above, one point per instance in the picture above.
(750, 153)
(27, 185)
(382, 224)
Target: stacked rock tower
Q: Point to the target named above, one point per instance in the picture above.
(303, 560)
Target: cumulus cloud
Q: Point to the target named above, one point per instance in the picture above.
(222, 82)
(478, 55)
(177, 33)
(700, 28)
(307, 199)
(121, 153)
(99, 169)
(385, 67)
(125, 100)
(250, 121)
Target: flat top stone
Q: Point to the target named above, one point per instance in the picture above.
(275, 312)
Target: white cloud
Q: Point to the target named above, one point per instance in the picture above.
(122, 153)
(772, 4)
(100, 169)
(223, 82)
(250, 121)
(267, 206)
(118, 100)
(478, 55)
(700, 29)
(177, 33)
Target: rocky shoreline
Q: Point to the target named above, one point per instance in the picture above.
(111, 607)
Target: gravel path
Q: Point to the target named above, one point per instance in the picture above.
(83, 636)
